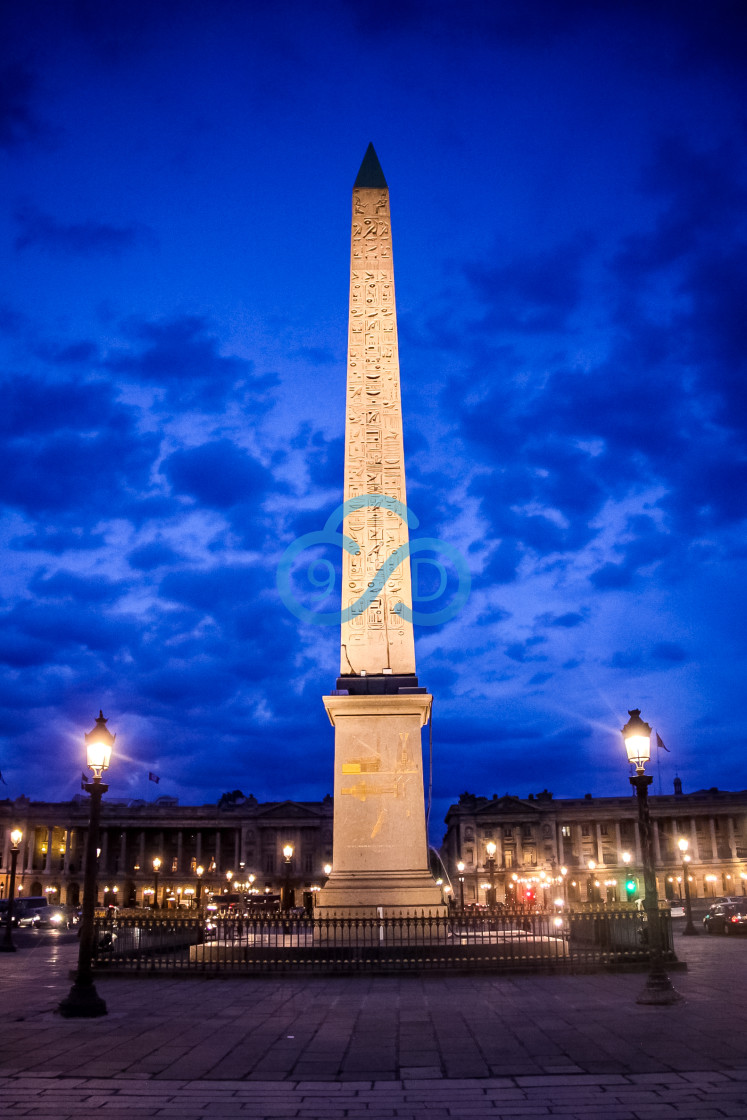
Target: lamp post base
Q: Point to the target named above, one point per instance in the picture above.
(82, 1002)
(690, 931)
(658, 990)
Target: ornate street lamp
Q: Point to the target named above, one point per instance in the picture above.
(7, 946)
(156, 869)
(199, 872)
(460, 869)
(689, 929)
(83, 1001)
(637, 738)
(288, 853)
(490, 848)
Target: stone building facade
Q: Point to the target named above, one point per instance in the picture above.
(573, 848)
(239, 837)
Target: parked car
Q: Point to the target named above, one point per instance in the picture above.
(726, 918)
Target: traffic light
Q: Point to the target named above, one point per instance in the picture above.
(631, 886)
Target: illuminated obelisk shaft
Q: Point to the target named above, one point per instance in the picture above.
(380, 860)
(378, 638)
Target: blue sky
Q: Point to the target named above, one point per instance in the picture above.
(568, 212)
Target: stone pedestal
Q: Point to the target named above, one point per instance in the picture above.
(380, 861)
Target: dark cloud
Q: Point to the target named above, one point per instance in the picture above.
(182, 356)
(155, 554)
(535, 292)
(42, 231)
(218, 474)
(83, 589)
(19, 121)
(76, 472)
(38, 406)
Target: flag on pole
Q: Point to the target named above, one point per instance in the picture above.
(153, 777)
(660, 744)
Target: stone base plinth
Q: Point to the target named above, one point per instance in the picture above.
(377, 894)
(380, 862)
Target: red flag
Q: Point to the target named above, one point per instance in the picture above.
(153, 777)
(660, 744)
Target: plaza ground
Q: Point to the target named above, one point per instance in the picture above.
(408, 1047)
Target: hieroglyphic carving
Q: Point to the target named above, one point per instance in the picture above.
(379, 637)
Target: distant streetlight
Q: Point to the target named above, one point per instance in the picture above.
(460, 869)
(490, 848)
(7, 946)
(156, 869)
(689, 929)
(637, 738)
(288, 853)
(83, 1001)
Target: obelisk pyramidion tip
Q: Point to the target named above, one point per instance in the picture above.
(370, 175)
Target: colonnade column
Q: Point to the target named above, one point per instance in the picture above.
(714, 841)
(657, 843)
(731, 837)
(50, 844)
(694, 840)
(599, 845)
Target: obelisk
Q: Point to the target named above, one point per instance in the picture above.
(380, 861)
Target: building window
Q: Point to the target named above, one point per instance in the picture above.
(175, 864)
(470, 856)
(585, 830)
(488, 834)
(565, 831)
(308, 863)
(508, 831)
(269, 863)
(526, 831)
(603, 830)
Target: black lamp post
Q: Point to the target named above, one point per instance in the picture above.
(490, 848)
(199, 872)
(689, 929)
(7, 946)
(288, 853)
(156, 869)
(637, 737)
(460, 869)
(83, 1001)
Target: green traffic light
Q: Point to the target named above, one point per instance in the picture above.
(630, 886)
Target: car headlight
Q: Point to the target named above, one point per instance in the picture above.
(56, 919)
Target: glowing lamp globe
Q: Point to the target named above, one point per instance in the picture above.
(637, 738)
(99, 743)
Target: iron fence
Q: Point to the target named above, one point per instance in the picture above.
(274, 943)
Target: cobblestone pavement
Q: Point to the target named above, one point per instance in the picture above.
(438, 1046)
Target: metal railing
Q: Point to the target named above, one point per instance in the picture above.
(274, 943)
